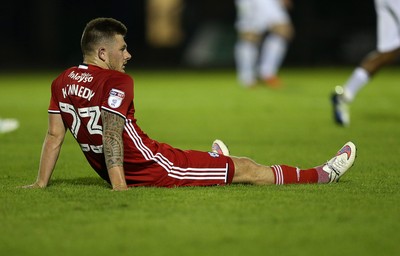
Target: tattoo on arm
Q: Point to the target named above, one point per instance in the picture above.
(113, 146)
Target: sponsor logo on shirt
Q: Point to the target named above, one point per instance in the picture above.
(81, 77)
(115, 98)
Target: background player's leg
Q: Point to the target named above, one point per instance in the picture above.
(246, 53)
(273, 50)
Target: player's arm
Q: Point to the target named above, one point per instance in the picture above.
(50, 151)
(113, 148)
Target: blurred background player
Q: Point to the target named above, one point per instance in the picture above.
(8, 125)
(257, 54)
(388, 50)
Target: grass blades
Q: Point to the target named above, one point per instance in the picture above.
(79, 215)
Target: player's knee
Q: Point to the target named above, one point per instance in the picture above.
(244, 168)
(243, 162)
(284, 30)
(250, 36)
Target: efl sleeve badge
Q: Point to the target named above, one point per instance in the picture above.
(115, 98)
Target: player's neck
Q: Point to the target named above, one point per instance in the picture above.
(94, 61)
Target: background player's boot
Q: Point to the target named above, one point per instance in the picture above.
(273, 82)
(340, 108)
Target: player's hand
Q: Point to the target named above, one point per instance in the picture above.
(120, 187)
(33, 186)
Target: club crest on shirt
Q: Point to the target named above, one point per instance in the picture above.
(213, 154)
(115, 98)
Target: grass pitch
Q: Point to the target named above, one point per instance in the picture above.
(79, 215)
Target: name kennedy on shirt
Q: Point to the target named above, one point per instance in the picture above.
(76, 89)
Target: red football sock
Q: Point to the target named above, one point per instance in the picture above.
(292, 175)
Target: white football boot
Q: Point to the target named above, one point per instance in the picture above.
(219, 147)
(341, 162)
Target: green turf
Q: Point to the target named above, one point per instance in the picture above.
(79, 215)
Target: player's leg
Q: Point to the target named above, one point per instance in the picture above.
(248, 171)
(360, 77)
(388, 50)
(376, 60)
(273, 51)
(250, 25)
(274, 46)
(371, 64)
(246, 56)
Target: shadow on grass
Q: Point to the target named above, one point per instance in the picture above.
(83, 181)
(381, 117)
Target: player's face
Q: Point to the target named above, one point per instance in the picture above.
(118, 54)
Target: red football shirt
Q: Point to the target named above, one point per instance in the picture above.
(79, 94)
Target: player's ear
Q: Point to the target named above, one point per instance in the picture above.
(101, 53)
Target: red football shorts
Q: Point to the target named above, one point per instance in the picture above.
(172, 167)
